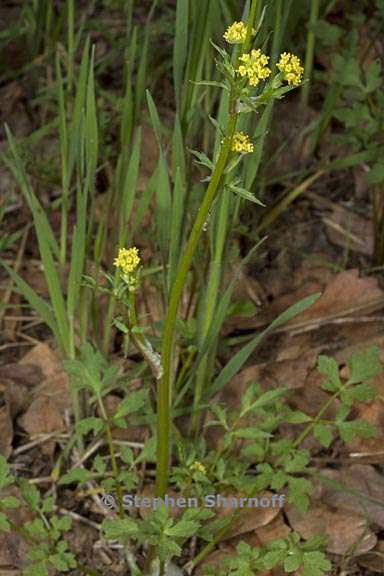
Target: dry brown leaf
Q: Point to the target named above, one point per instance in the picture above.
(50, 399)
(374, 560)
(22, 373)
(365, 480)
(251, 518)
(343, 294)
(345, 530)
(350, 231)
(346, 294)
(6, 432)
(44, 357)
(277, 528)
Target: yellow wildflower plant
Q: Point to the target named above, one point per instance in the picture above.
(127, 260)
(291, 68)
(242, 143)
(198, 467)
(254, 66)
(236, 33)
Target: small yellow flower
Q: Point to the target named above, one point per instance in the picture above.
(127, 260)
(254, 66)
(236, 33)
(198, 467)
(291, 67)
(242, 143)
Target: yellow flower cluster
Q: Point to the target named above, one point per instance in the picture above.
(128, 259)
(291, 68)
(254, 66)
(198, 467)
(236, 33)
(242, 143)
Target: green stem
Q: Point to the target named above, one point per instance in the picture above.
(164, 393)
(115, 467)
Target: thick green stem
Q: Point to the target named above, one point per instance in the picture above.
(164, 392)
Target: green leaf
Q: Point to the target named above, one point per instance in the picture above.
(364, 366)
(373, 76)
(356, 428)
(246, 195)
(4, 524)
(251, 433)
(267, 398)
(5, 478)
(48, 504)
(120, 528)
(210, 83)
(148, 453)
(62, 524)
(363, 392)
(126, 454)
(329, 368)
(292, 563)
(203, 159)
(329, 34)
(315, 564)
(77, 475)
(87, 424)
(375, 174)
(297, 461)
(323, 433)
(133, 402)
(30, 494)
(273, 558)
(99, 464)
(9, 502)
(63, 562)
(297, 417)
(39, 569)
(37, 529)
(298, 488)
(183, 529)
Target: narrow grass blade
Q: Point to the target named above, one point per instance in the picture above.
(128, 191)
(18, 171)
(217, 322)
(143, 205)
(46, 242)
(178, 151)
(78, 111)
(128, 114)
(36, 302)
(180, 48)
(91, 130)
(63, 136)
(176, 219)
(287, 199)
